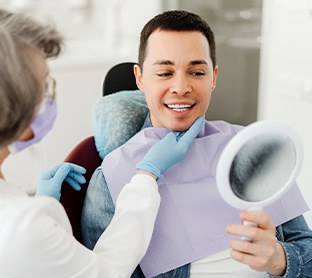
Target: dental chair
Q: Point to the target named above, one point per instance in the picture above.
(119, 77)
(85, 155)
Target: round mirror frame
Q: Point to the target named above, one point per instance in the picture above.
(232, 148)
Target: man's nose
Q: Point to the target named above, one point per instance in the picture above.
(180, 85)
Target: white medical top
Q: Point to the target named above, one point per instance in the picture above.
(221, 265)
(36, 238)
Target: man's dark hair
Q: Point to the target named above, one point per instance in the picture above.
(176, 21)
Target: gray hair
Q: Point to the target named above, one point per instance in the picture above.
(20, 88)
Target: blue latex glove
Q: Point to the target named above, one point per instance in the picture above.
(51, 181)
(169, 150)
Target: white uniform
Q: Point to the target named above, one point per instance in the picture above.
(36, 239)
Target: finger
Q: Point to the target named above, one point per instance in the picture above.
(48, 174)
(254, 261)
(76, 168)
(242, 257)
(260, 218)
(244, 231)
(74, 184)
(171, 136)
(61, 174)
(192, 133)
(77, 177)
(243, 246)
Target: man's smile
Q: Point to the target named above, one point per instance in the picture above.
(179, 107)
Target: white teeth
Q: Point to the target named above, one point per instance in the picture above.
(173, 106)
(179, 107)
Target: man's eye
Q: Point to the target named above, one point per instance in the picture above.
(197, 73)
(164, 74)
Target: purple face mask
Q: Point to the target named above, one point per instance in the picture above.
(41, 125)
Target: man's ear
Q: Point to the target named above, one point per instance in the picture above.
(215, 75)
(138, 77)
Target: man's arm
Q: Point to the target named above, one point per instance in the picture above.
(98, 210)
(296, 238)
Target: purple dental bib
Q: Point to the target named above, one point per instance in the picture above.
(192, 217)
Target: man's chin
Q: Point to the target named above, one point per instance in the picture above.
(175, 125)
(179, 127)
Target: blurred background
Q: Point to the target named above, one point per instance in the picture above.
(263, 53)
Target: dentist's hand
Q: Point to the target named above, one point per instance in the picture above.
(169, 150)
(51, 181)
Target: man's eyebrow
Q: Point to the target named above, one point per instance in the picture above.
(164, 62)
(171, 63)
(198, 62)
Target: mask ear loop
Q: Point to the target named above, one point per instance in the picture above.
(54, 89)
(51, 89)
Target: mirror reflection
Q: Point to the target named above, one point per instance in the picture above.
(262, 166)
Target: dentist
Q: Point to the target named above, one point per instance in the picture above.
(35, 234)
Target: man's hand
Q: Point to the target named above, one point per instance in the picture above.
(169, 150)
(51, 181)
(263, 252)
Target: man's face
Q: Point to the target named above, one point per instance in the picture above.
(177, 78)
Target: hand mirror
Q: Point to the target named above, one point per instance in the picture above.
(259, 165)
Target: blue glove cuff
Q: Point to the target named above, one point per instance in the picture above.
(39, 192)
(149, 167)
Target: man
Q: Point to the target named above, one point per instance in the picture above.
(177, 74)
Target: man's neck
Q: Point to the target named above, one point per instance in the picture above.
(147, 122)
